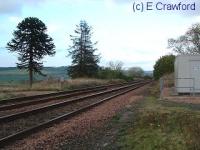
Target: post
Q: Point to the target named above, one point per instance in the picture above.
(161, 87)
(193, 89)
(61, 82)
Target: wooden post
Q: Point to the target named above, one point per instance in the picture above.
(61, 82)
(161, 87)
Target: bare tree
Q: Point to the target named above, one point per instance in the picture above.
(188, 43)
(117, 65)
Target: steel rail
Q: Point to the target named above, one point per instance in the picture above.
(25, 98)
(44, 100)
(57, 96)
(59, 104)
(19, 99)
(19, 135)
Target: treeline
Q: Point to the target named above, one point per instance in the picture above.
(31, 42)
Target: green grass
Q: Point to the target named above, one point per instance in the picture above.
(8, 95)
(162, 126)
(13, 75)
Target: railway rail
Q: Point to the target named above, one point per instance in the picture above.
(55, 113)
(36, 99)
(47, 99)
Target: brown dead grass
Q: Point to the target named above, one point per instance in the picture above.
(48, 86)
(53, 85)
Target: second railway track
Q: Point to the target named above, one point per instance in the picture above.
(15, 103)
(17, 125)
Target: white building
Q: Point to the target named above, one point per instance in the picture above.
(187, 74)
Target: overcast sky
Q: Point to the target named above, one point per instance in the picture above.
(137, 39)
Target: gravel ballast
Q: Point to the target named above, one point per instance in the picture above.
(53, 137)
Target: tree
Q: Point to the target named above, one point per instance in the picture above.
(135, 72)
(164, 65)
(108, 73)
(188, 43)
(31, 43)
(84, 61)
(117, 65)
(113, 71)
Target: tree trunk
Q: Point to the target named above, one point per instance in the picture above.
(31, 68)
(30, 76)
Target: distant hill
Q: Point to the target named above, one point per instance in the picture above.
(149, 73)
(12, 74)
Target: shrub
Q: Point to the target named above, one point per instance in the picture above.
(164, 65)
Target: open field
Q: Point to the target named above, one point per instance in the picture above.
(12, 75)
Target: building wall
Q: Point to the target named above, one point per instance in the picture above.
(187, 73)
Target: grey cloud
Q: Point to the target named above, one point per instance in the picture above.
(10, 6)
(15, 6)
(123, 1)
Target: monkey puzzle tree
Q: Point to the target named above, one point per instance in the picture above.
(31, 43)
(84, 61)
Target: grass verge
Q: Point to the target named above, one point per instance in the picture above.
(7, 95)
(162, 125)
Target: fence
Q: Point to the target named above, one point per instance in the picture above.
(188, 85)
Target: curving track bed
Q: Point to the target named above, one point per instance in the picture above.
(17, 123)
(22, 104)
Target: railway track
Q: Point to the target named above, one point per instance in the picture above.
(16, 126)
(44, 96)
(18, 107)
(33, 100)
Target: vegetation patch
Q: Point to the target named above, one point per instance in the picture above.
(5, 96)
(159, 125)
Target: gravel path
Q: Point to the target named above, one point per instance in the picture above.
(52, 137)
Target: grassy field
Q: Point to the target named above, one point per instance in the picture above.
(12, 75)
(161, 125)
